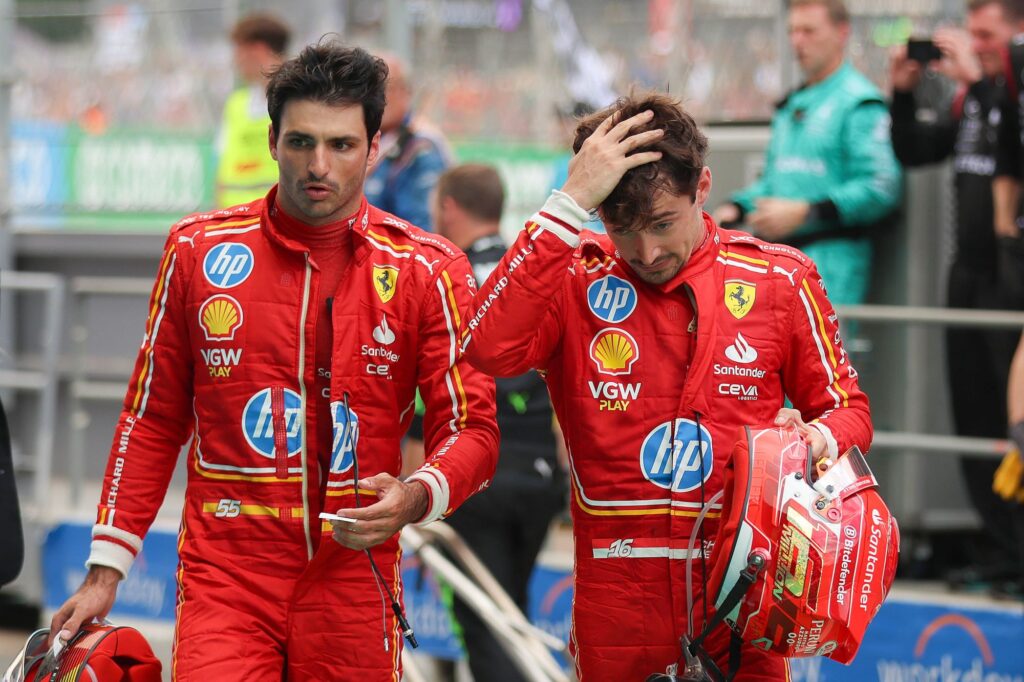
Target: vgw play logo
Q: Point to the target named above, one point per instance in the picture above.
(951, 648)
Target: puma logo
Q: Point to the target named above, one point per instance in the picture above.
(789, 274)
(429, 265)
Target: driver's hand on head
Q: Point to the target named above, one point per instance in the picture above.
(606, 156)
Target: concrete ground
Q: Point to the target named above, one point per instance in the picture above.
(11, 642)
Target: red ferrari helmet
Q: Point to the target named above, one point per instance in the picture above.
(98, 653)
(824, 551)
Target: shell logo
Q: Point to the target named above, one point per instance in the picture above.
(614, 351)
(220, 317)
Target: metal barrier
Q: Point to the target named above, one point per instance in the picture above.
(944, 317)
(84, 385)
(528, 646)
(42, 381)
(88, 384)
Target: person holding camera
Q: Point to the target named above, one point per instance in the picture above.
(977, 360)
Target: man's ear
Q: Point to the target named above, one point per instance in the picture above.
(272, 141)
(703, 187)
(449, 208)
(373, 150)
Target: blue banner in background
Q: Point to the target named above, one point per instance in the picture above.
(39, 167)
(918, 640)
(549, 608)
(148, 591)
(931, 638)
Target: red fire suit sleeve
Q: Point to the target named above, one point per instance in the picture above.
(513, 329)
(155, 422)
(459, 429)
(817, 375)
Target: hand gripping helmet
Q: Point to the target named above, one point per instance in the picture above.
(817, 557)
(98, 653)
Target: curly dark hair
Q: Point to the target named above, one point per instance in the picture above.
(683, 148)
(333, 74)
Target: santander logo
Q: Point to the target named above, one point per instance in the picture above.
(740, 351)
(382, 333)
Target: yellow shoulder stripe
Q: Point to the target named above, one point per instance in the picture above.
(748, 259)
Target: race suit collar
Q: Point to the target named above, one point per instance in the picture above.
(700, 260)
(294, 234)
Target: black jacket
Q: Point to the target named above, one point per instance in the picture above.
(968, 131)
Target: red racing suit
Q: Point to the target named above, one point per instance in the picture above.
(636, 372)
(227, 359)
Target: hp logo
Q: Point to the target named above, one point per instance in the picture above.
(612, 299)
(228, 265)
(258, 422)
(346, 436)
(671, 455)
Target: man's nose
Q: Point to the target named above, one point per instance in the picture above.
(648, 248)
(319, 164)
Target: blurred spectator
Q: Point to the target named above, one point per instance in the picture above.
(93, 120)
(830, 173)
(977, 360)
(1010, 159)
(412, 155)
(506, 524)
(245, 170)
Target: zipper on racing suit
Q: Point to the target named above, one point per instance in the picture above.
(302, 407)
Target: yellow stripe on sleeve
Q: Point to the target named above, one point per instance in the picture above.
(154, 311)
(384, 240)
(828, 344)
(233, 223)
(748, 259)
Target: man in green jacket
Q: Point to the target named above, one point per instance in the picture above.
(830, 172)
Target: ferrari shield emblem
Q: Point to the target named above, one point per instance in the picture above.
(739, 297)
(385, 279)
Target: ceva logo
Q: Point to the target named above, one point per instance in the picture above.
(951, 665)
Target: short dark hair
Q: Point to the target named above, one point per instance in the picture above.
(476, 188)
(332, 74)
(683, 148)
(1013, 10)
(837, 12)
(262, 28)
